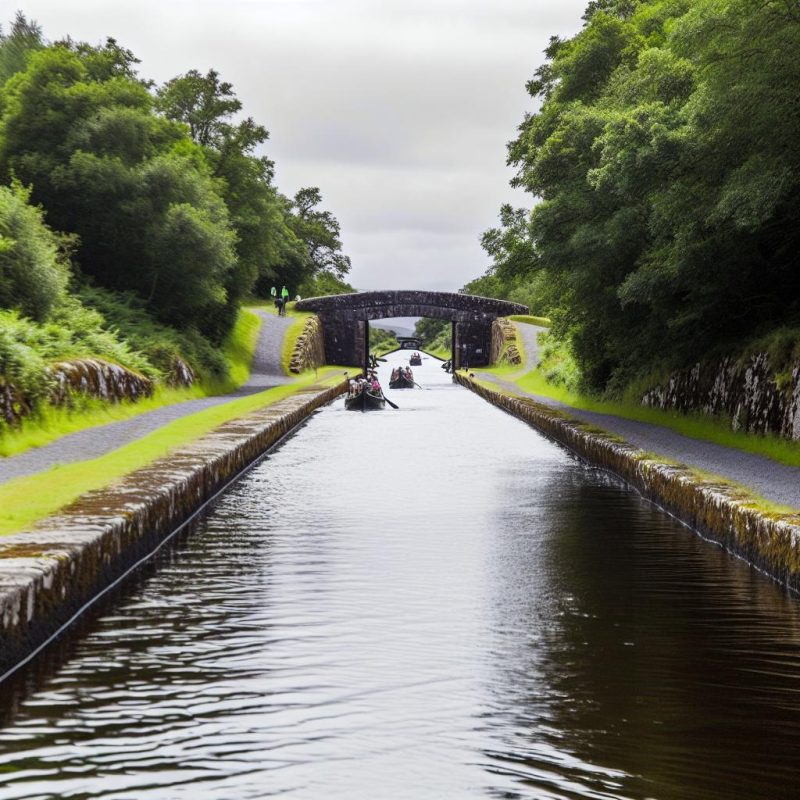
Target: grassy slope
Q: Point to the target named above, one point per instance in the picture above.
(53, 423)
(24, 501)
(542, 322)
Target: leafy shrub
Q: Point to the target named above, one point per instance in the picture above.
(126, 316)
(32, 274)
(20, 362)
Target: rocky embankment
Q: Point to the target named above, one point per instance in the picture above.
(90, 377)
(750, 393)
(309, 349)
(504, 343)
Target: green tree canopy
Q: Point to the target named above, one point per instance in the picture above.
(33, 271)
(667, 182)
(23, 38)
(80, 129)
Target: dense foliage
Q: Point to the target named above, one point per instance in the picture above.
(665, 163)
(137, 218)
(33, 275)
(382, 341)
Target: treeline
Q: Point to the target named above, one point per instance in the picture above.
(136, 218)
(665, 165)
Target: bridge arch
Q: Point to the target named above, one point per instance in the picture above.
(345, 316)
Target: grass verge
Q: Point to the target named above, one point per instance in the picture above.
(52, 423)
(542, 322)
(695, 426)
(24, 501)
(738, 490)
(439, 352)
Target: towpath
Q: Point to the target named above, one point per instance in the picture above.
(769, 479)
(90, 443)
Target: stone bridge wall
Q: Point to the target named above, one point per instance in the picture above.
(344, 316)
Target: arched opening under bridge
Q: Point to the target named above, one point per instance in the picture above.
(345, 319)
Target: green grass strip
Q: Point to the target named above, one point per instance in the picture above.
(542, 322)
(24, 501)
(52, 423)
(694, 426)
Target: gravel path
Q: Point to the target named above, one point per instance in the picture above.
(93, 442)
(776, 482)
(529, 334)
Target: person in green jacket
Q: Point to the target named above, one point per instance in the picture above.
(284, 299)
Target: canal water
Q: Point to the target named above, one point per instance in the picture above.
(425, 603)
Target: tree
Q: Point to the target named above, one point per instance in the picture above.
(33, 268)
(23, 39)
(320, 231)
(80, 130)
(206, 104)
(668, 188)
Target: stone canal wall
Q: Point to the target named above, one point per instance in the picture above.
(49, 574)
(770, 542)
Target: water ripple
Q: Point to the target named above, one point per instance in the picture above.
(431, 603)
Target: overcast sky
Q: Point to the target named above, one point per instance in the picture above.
(399, 110)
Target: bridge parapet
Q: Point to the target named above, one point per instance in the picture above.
(454, 306)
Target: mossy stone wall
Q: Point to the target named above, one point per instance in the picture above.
(51, 572)
(770, 542)
(750, 393)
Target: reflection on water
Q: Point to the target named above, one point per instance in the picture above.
(433, 603)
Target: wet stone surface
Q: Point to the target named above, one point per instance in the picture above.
(47, 573)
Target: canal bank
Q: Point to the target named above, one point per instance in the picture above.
(430, 602)
(48, 575)
(768, 541)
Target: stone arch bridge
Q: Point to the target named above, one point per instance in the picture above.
(345, 316)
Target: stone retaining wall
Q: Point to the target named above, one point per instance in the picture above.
(93, 377)
(309, 349)
(749, 393)
(504, 343)
(770, 542)
(51, 572)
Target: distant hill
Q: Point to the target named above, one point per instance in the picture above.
(388, 326)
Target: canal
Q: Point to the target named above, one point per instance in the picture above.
(429, 603)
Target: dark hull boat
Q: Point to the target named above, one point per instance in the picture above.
(365, 401)
(402, 383)
(415, 360)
